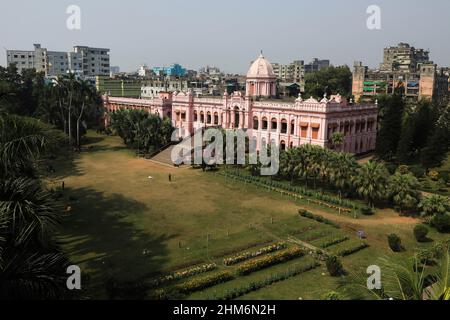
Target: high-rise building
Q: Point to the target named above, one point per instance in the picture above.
(403, 58)
(291, 73)
(83, 61)
(316, 65)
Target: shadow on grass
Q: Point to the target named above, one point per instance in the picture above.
(101, 237)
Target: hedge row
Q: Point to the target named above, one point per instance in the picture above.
(253, 254)
(181, 274)
(332, 202)
(256, 285)
(333, 241)
(312, 216)
(205, 282)
(267, 261)
(350, 250)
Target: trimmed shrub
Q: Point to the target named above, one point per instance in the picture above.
(181, 274)
(253, 286)
(264, 262)
(205, 282)
(334, 266)
(320, 219)
(333, 241)
(420, 232)
(249, 255)
(351, 250)
(441, 222)
(395, 243)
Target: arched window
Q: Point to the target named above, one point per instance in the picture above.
(264, 123)
(284, 126)
(202, 117)
(195, 116)
(216, 118)
(292, 127)
(274, 124)
(255, 123)
(208, 117)
(283, 145)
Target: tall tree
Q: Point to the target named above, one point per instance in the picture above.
(331, 80)
(371, 182)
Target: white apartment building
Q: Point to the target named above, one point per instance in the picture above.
(83, 61)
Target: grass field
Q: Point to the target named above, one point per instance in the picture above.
(126, 225)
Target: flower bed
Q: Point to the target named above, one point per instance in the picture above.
(182, 274)
(205, 282)
(317, 198)
(350, 250)
(236, 250)
(264, 262)
(333, 241)
(253, 254)
(309, 215)
(253, 286)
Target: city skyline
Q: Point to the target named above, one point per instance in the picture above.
(155, 33)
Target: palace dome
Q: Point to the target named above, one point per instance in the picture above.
(261, 68)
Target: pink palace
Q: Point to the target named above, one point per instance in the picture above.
(292, 124)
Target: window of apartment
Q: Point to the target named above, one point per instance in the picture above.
(274, 124)
(264, 123)
(304, 130)
(255, 123)
(315, 131)
(284, 126)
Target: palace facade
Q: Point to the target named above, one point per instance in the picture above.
(288, 124)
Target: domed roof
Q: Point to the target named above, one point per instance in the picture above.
(261, 68)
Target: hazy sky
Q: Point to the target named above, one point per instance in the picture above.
(228, 34)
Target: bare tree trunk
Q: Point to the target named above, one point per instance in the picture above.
(78, 124)
(70, 118)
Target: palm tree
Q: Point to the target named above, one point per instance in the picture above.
(371, 182)
(408, 279)
(342, 170)
(404, 190)
(434, 204)
(31, 265)
(337, 140)
(289, 162)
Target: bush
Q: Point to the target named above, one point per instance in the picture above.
(441, 222)
(334, 266)
(395, 243)
(205, 282)
(420, 233)
(367, 211)
(351, 250)
(320, 219)
(264, 262)
(274, 278)
(253, 254)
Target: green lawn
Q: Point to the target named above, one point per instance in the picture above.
(129, 227)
